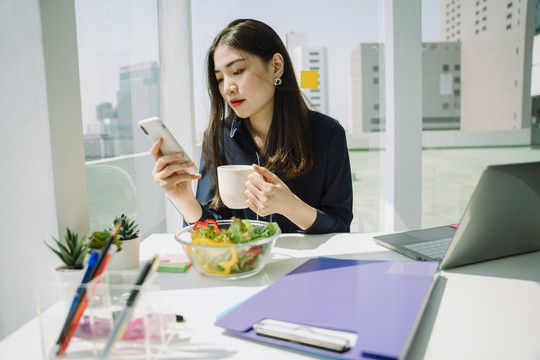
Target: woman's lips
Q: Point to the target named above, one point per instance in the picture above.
(236, 103)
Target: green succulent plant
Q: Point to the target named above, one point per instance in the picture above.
(98, 239)
(72, 251)
(129, 229)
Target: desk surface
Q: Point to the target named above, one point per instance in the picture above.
(483, 311)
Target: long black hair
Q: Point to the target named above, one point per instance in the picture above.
(288, 150)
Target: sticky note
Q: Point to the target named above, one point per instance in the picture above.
(172, 267)
(175, 263)
(309, 79)
(174, 258)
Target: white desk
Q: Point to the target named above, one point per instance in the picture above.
(482, 311)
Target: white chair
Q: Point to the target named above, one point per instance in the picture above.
(111, 192)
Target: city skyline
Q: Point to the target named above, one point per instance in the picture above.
(129, 36)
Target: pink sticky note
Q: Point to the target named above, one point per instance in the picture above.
(174, 258)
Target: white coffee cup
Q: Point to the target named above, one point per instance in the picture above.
(231, 181)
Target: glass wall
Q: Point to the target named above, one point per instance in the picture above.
(476, 81)
(476, 97)
(120, 85)
(343, 49)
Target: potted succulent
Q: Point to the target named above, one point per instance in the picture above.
(97, 241)
(72, 251)
(131, 241)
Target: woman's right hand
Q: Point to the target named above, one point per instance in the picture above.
(169, 173)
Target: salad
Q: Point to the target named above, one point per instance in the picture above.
(230, 259)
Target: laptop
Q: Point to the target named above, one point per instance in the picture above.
(502, 219)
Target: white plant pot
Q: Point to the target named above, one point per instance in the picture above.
(114, 269)
(68, 281)
(117, 261)
(131, 248)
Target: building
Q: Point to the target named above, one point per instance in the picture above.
(105, 111)
(535, 83)
(310, 58)
(100, 139)
(492, 34)
(441, 87)
(137, 98)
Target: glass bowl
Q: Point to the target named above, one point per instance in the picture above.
(228, 262)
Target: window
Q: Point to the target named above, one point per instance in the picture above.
(479, 88)
(376, 107)
(509, 5)
(446, 67)
(332, 98)
(508, 27)
(119, 85)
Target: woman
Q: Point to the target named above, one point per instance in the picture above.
(258, 116)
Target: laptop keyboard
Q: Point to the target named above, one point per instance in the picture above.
(434, 249)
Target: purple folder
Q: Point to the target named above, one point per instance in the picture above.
(381, 301)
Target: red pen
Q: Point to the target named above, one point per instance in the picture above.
(84, 303)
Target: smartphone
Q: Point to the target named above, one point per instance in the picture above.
(154, 129)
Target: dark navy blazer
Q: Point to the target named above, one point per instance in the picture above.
(327, 186)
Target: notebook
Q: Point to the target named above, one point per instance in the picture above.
(502, 219)
(370, 308)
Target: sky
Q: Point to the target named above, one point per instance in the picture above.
(116, 33)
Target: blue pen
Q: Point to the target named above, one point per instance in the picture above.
(92, 261)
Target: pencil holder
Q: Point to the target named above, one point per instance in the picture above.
(142, 324)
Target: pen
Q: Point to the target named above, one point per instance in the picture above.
(81, 291)
(92, 262)
(82, 302)
(121, 321)
(77, 309)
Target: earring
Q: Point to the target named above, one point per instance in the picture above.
(277, 81)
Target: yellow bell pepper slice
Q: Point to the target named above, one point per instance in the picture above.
(207, 241)
(226, 265)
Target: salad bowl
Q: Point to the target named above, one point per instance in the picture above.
(228, 249)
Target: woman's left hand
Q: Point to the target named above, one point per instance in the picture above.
(267, 194)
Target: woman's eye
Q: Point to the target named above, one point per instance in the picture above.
(219, 81)
(237, 72)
